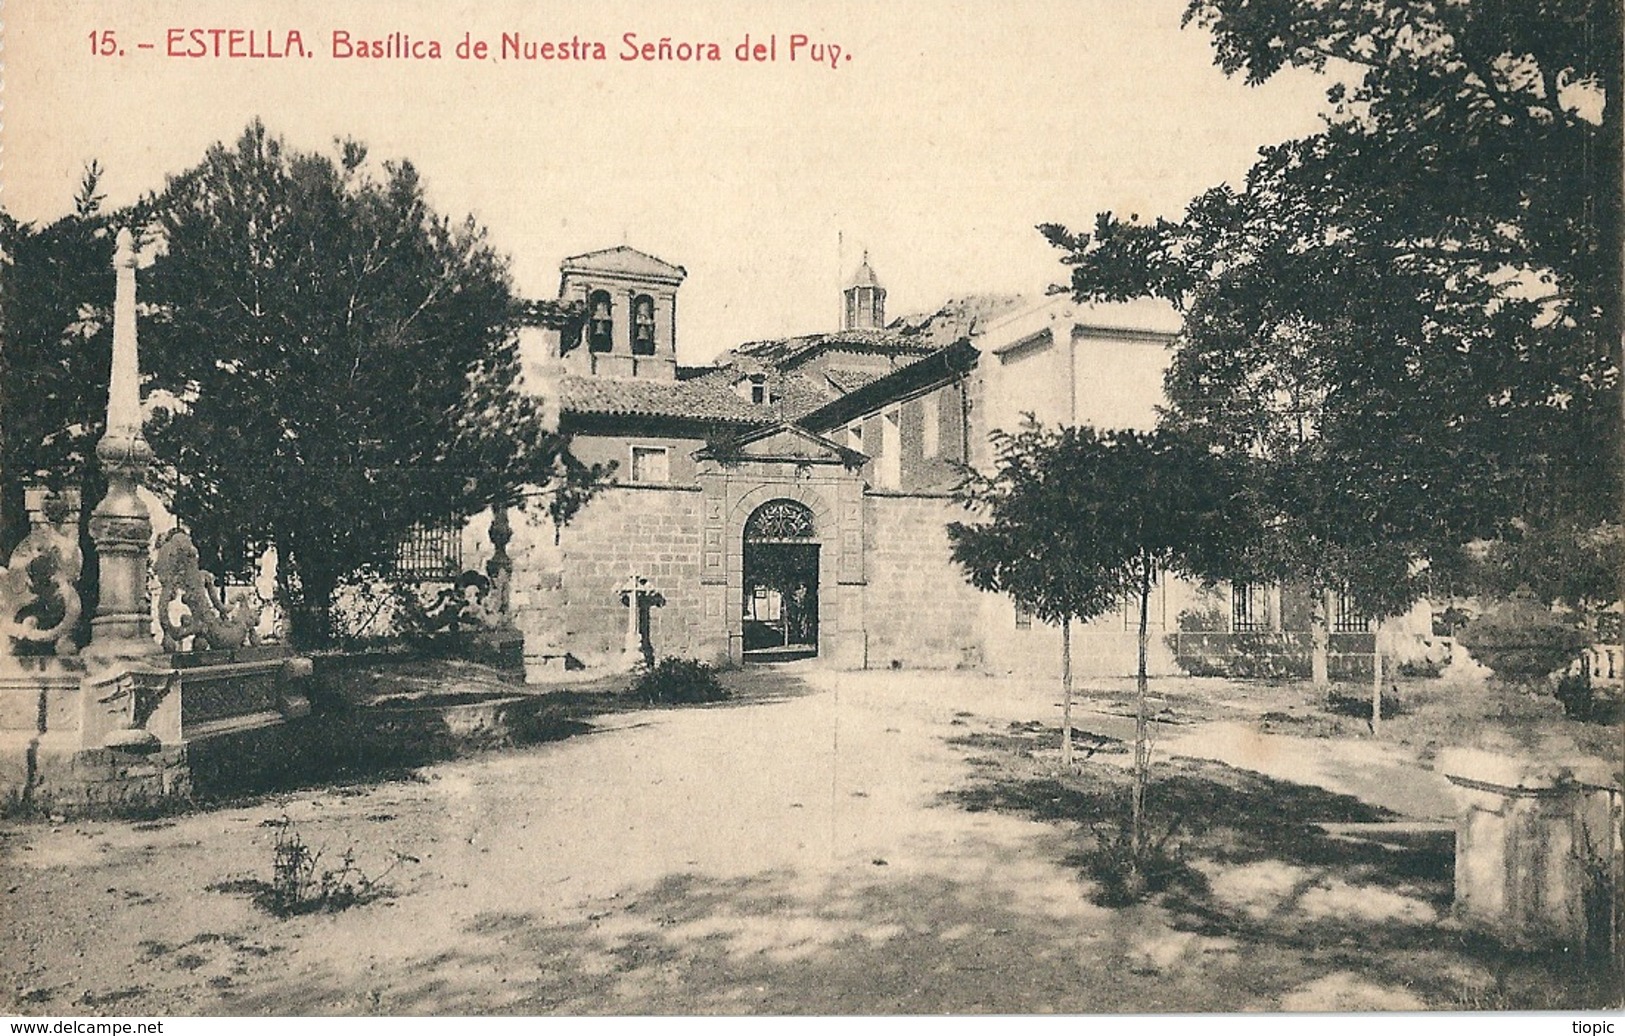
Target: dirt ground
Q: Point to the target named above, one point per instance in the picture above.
(827, 843)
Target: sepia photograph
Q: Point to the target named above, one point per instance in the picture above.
(618, 508)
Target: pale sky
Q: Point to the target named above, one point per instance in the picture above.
(954, 128)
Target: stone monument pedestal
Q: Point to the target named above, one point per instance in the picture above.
(1538, 848)
(146, 735)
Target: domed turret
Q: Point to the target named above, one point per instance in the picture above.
(865, 299)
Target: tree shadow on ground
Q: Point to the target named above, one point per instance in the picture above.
(773, 943)
(873, 942)
(1263, 872)
(1238, 816)
(373, 728)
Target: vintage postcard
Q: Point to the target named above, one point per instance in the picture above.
(940, 507)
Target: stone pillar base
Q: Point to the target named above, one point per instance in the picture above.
(1537, 848)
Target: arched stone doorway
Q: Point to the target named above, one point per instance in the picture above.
(780, 584)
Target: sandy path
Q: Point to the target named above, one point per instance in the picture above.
(782, 856)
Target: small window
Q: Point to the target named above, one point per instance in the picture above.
(643, 326)
(930, 427)
(1024, 618)
(889, 465)
(651, 464)
(600, 322)
(753, 389)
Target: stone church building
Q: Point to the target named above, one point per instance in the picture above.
(790, 499)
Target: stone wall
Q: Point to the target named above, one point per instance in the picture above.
(617, 449)
(1272, 655)
(1106, 645)
(568, 597)
(919, 611)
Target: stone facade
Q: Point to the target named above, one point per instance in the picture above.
(888, 593)
(867, 428)
(921, 613)
(567, 596)
(629, 300)
(826, 486)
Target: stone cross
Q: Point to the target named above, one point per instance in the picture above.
(634, 592)
(120, 525)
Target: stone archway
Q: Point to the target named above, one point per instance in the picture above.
(784, 469)
(780, 586)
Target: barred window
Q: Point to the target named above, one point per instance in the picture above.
(1347, 618)
(430, 551)
(1024, 618)
(1249, 608)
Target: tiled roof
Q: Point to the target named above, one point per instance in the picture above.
(802, 392)
(781, 352)
(848, 379)
(801, 389)
(948, 362)
(707, 394)
(700, 399)
(797, 391)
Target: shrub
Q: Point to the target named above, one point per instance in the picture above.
(299, 885)
(1123, 877)
(1203, 620)
(677, 681)
(1359, 705)
(1263, 657)
(1575, 694)
(1520, 641)
(1422, 668)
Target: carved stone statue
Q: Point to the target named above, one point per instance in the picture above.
(39, 587)
(461, 605)
(190, 603)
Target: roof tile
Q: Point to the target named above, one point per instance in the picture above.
(698, 400)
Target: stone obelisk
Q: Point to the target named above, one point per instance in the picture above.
(121, 525)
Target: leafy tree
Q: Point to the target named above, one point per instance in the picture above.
(1574, 565)
(56, 297)
(1412, 314)
(343, 361)
(1077, 521)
